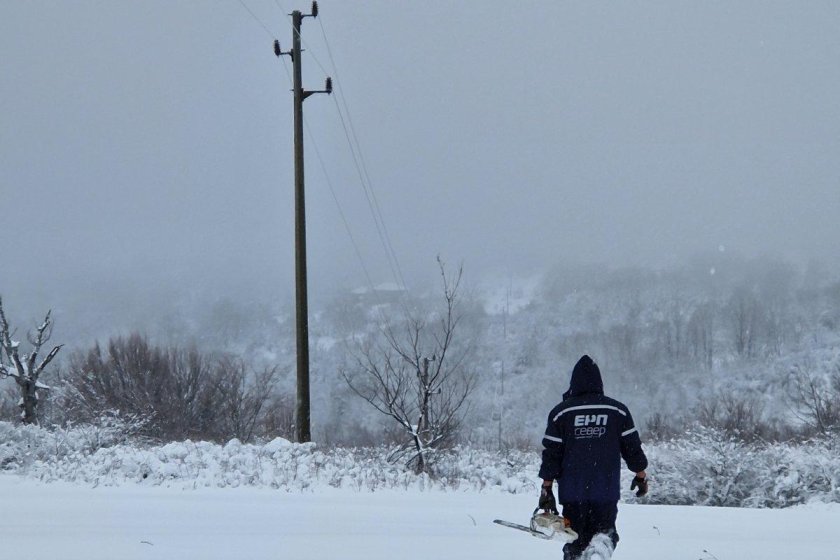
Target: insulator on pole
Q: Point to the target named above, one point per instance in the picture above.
(277, 50)
(314, 9)
(328, 86)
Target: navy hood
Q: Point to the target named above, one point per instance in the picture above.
(586, 379)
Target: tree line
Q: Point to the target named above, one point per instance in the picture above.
(707, 343)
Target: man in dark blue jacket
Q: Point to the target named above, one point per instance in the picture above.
(587, 436)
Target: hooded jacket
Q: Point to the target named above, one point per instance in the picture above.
(586, 437)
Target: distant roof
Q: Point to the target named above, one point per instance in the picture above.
(384, 287)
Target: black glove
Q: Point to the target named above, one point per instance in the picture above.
(547, 501)
(640, 483)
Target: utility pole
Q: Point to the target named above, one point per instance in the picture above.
(303, 431)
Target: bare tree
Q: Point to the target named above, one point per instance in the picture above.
(701, 334)
(816, 400)
(25, 369)
(673, 330)
(242, 401)
(279, 417)
(734, 415)
(624, 340)
(417, 375)
(744, 310)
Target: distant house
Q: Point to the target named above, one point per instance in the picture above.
(387, 292)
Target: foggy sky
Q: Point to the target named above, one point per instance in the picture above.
(148, 144)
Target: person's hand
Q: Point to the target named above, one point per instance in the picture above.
(640, 482)
(547, 501)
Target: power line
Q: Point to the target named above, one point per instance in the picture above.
(358, 158)
(302, 40)
(359, 161)
(376, 217)
(330, 186)
(361, 169)
(338, 205)
(318, 154)
(319, 157)
(258, 20)
(356, 153)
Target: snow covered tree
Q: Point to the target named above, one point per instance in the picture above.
(25, 369)
(418, 376)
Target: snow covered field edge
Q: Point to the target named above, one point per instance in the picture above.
(700, 469)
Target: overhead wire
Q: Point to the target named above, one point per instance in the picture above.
(302, 40)
(317, 153)
(356, 153)
(377, 218)
(338, 205)
(329, 183)
(331, 188)
(367, 184)
(359, 163)
(258, 20)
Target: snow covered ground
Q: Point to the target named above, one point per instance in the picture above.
(61, 521)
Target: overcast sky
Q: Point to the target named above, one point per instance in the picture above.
(148, 143)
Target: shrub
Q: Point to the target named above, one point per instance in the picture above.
(179, 393)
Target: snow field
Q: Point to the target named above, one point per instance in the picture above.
(62, 521)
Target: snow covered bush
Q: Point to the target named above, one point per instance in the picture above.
(25, 445)
(707, 467)
(282, 465)
(711, 468)
(702, 468)
(102, 455)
